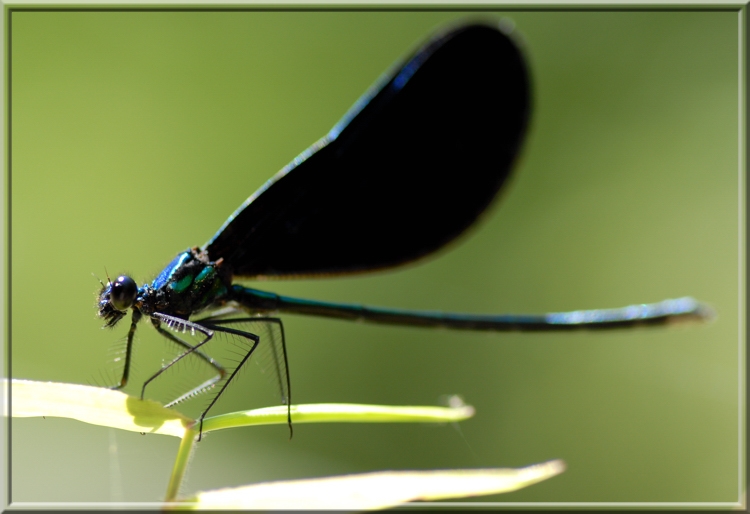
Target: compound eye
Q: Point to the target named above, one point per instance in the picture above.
(123, 293)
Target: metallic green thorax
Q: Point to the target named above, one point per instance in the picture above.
(189, 284)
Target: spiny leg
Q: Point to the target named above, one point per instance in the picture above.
(185, 324)
(256, 341)
(286, 393)
(190, 348)
(288, 396)
(129, 350)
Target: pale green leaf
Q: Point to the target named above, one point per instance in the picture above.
(95, 405)
(340, 413)
(371, 491)
(110, 408)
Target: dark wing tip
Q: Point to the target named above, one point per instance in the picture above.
(409, 168)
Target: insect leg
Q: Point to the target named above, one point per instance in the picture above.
(190, 348)
(176, 324)
(277, 348)
(129, 350)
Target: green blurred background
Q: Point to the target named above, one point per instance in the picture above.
(135, 134)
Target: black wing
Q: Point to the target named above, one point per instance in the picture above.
(413, 164)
